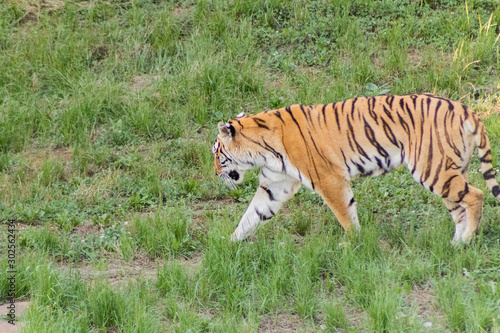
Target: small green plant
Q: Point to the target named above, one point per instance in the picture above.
(51, 170)
(67, 221)
(107, 308)
(110, 237)
(128, 246)
(166, 233)
(372, 89)
(301, 222)
(41, 239)
(172, 280)
(335, 317)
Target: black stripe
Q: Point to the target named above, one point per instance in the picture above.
(496, 190)
(466, 114)
(463, 193)
(450, 164)
(275, 153)
(371, 107)
(360, 149)
(436, 113)
(336, 115)
(421, 130)
(352, 107)
(440, 145)
(324, 116)
(403, 152)
(271, 196)
(345, 162)
(436, 177)
(388, 113)
(410, 114)
(268, 148)
(319, 153)
(476, 128)
(450, 105)
(485, 158)
(389, 100)
(450, 141)
(306, 115)
(360, 168)
(260, 123)
(484, 138)
(342, 108)
(262, 216)
(351, 202)
(489, 174)
(307, 148)
(446, 187)
(414, 100)
(278, 114)
(388, 132)
(370, 134)
(429, 160)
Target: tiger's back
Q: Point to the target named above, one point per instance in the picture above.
(324, 146)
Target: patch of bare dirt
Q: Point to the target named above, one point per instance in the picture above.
(181, 11)
(423, 298)
(415, 58)
(282, 324)
(143, 81)
(33, 9)
(85, 229)
(355, 315)
(201, 207)
(36, 157)
(101, 187)
(115, 269)
(192, 264)
(5, 326)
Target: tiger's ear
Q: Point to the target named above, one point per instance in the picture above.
(226, 131)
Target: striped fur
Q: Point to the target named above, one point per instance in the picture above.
(324, 146)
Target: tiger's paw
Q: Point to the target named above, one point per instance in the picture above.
(236, 237)
(461, 242)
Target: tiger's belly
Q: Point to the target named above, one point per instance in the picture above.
(374, 163)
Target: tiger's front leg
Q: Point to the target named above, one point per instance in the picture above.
(274, 190)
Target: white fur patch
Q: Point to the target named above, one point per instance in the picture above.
(215, 147)
(242, 114)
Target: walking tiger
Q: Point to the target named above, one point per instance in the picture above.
(324, 146)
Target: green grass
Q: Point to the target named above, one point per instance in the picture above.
(108, 111)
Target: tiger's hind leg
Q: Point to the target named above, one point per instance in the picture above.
(455, 189)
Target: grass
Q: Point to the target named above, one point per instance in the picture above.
(108, 113)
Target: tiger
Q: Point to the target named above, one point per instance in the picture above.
(324, 146)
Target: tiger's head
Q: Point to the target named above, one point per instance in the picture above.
(232, 156)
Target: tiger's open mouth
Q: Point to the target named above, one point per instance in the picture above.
(228, 179)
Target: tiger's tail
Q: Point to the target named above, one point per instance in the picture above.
(484, 154)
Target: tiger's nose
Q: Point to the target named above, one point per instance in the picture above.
(234, 175)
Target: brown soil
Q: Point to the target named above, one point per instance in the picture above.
(5, 326)
(281, 323)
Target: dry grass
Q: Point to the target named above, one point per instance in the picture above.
(33, 9)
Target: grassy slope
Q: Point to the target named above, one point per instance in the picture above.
(107, 116)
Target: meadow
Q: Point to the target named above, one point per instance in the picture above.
(108, 112)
